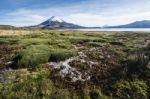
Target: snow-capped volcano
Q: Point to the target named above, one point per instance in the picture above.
(55, 19)
(52, 21)
(55, 22)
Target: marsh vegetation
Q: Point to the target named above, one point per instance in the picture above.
(50, 64)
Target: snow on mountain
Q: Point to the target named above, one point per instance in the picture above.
(55, 19)
(55, 22)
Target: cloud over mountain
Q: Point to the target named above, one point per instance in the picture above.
(83, 12)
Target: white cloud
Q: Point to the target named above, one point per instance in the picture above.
(22, 17)
(100, 20)
(85, 13)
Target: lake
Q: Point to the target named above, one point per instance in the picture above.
(117, 29)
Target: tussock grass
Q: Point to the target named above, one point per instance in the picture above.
(31, 49)
(32, 56)
(60, 55)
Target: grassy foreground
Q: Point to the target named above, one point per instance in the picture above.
(112, 65)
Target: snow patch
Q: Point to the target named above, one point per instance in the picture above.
(55, 19)
(66, 69)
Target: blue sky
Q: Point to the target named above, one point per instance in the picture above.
(82, 12)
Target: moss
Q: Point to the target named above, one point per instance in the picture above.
(137, 63)
(81, 66)
(95, 55)
(27, 85)
(95, 44)
(61, 55)
(97, 94)
(39, 54)
(35, 48)
(32, 56)
(33, 41)
(37, 51)
(117, 43)
(136, 89)
(60, 94)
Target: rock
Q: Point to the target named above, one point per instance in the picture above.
(9, 63)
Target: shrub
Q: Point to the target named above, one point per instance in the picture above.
(60, 94)
(27, 86)
(61, 55)
(148, 47)
(117, 43)
(136, 89)
(148, 50)
(97, 94)
(32, 56)
(32, 41)
(81, 66)
(24, 84)
(95, 44)
(60, 43)
(137, 62)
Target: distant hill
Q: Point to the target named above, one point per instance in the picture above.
(7, 27)
(55, 23)
(137, 24)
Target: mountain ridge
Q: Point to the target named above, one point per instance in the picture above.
(136, 24)
(55, 22)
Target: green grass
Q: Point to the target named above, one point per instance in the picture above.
(60, 55)
(38, 50)
(33, 55)
(26, 85)
(136, 89)
(32, 49)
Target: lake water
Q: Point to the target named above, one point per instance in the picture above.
(117, 29)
